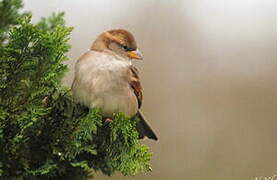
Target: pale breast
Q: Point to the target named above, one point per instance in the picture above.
(100, 81)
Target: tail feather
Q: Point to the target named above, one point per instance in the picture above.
(144, 128)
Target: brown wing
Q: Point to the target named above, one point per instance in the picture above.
(142, 126)
(135, 84)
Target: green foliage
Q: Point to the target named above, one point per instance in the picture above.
(9, 16)
(119, 148)
(44, 134)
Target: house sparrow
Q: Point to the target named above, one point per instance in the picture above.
(105, 78)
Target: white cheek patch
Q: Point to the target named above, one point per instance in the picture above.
(108, 62)
(117, 49)
(113, 46)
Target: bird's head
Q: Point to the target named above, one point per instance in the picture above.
(118, 41)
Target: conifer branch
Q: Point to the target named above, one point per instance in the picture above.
(43, 132)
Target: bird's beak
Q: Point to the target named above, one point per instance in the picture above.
(135, 55)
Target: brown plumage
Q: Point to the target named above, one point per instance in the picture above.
(119, 36)
(106, 78)
(124, 38)
(135, 84)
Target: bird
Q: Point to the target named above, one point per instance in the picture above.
(106, 78)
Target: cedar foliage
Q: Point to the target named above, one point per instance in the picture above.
(43, 133)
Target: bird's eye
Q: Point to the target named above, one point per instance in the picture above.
(125, 48)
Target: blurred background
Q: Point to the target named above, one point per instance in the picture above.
(209, 78)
